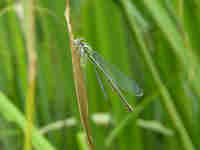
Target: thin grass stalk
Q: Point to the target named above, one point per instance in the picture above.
(79, 80)
(32, 70)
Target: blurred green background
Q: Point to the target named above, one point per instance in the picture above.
(155, 42)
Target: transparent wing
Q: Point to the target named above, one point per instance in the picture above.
(100, 83)
(120, 79)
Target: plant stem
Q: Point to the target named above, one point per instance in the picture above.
(79, 80)
(32, 69)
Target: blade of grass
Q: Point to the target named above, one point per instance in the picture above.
(18, 45)
(11, 113)
(7, 73)
(29, 24)
(122, 126)
(19, 52)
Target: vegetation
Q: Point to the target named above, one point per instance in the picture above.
(154, 42)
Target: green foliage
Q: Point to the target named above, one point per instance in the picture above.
(154, 42)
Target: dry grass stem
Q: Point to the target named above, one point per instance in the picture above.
(79, 80)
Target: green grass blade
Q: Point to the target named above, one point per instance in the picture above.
(11, 113)
(170, 30)
(167, 100)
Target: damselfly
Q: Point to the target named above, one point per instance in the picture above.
(117, 79)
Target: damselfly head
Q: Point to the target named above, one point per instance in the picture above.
(82, 46)
(78, 41)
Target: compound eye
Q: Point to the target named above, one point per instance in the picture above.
(80, 40)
